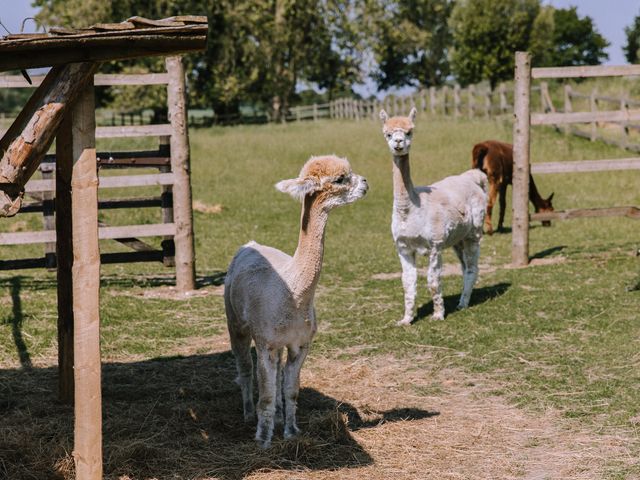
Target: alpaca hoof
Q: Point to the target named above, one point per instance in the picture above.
(249, 417)
(438, 316)
(403, 322)
(461, 306)
(263, 444)
(291, 432)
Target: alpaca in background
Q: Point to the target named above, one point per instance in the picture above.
(496, 160)
(426, 220)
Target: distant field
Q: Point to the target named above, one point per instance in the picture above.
(556, 342)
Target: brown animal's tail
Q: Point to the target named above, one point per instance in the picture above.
(477, 155)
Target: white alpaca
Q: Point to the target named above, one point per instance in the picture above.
(269, 296)
(426, 220)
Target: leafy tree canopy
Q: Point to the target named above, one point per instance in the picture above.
(632, 48)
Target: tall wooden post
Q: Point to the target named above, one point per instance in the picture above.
(86, 287)
(180, 165)
(521, 124)
(64, 259)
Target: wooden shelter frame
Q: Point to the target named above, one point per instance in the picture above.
(162, 159)
(63, 107)
(523, 119)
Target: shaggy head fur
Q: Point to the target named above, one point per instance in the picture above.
(398, 131)
(329, 177)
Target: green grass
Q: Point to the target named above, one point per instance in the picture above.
(565, 334)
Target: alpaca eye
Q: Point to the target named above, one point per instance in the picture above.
(341, 180)
(388, 135)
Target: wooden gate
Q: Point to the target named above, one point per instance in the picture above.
(521, 147)
(174, 200)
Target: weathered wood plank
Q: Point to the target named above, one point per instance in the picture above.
(100, 80)
(134, 131)
(587, 166)
(630, 212)
(584, 117)
(104, 233)
(586, 71)
(105, 258)
(101, 46)
(110, 182)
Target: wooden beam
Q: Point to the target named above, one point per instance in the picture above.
(87, 449)
(521, 148)
(630, 212)
(129, 131)
(148, 180)
(64, 259)
(181, 167)
(100, 80)
(586, 71)
(28, 139)
(101, 46)
(587, 166)
(584, 117)
(104, 233)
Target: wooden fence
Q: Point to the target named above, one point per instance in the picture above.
(521, 146)
(171, 159)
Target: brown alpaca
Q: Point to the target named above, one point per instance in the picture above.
(496, 160)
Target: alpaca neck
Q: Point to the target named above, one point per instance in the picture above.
(404, 195)
(307, 259)
(534, 195)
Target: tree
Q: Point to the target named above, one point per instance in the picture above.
(486, 33)
(410, 40)
(542, 37)
(257, 50)
(632, 48)
(576, 40)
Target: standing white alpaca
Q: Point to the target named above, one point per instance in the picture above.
(269, 296)
(426, 220)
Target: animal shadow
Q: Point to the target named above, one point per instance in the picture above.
(478, 296)
(175, 417)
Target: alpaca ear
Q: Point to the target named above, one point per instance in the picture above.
(383, 116)
(298, 188)
(550, 197)
(412, 114)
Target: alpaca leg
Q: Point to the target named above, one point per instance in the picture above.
(279, 387)
(409, 281)
(434, 272)
(471, 255)
(267, 376)
(503, 205)
(295, 359)
(458, 248)
(241, 348)
(493, 193)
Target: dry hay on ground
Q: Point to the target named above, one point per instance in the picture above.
(374, 418)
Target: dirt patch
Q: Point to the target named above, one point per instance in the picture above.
(378, 417)
(202, 207)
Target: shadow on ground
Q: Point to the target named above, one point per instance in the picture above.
(479, 296)
(176, 417)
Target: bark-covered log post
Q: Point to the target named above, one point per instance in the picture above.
(26, 142)
(521, 125)
(180, 165)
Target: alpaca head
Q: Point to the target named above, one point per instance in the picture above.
(330, 179)
(545, 206)
(398, 132)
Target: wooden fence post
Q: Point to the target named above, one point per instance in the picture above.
(180, 165)
(503, 98)
(568, 108)
(433, 100)
(593, 105)
(86, 288)
(445, 91)
(471, 92)
(487, 104)
(456, 100)
(521, 125)
(624, 106)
